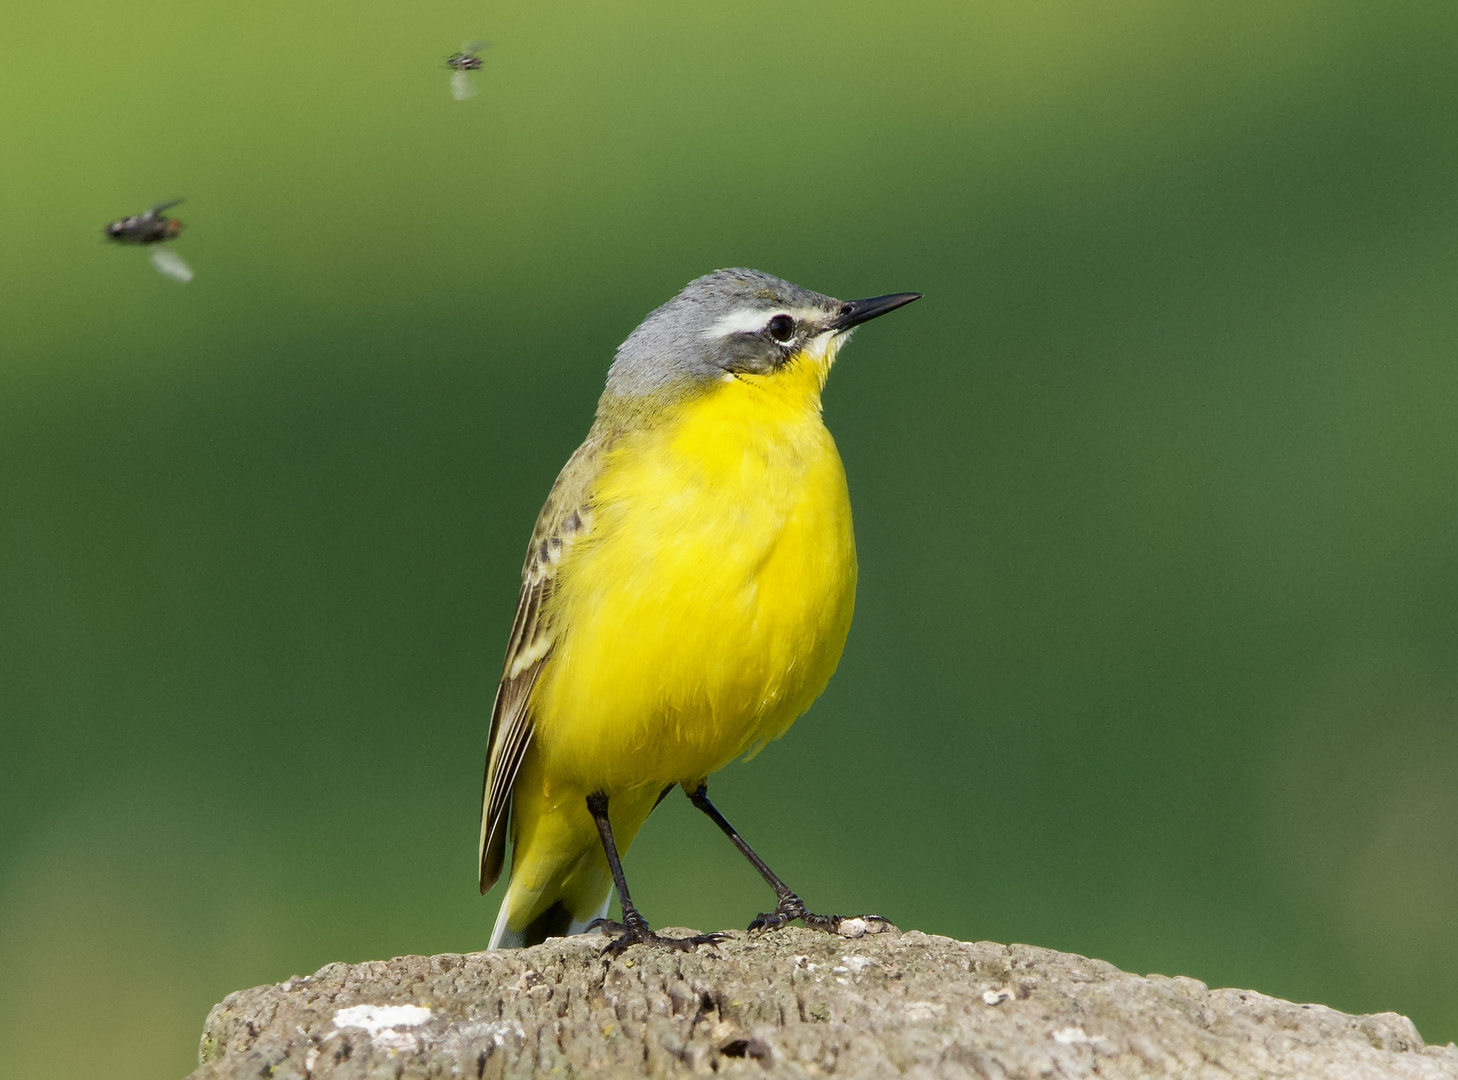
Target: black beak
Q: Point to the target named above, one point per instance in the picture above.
(855, 312)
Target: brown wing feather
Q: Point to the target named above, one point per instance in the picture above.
(564, 520)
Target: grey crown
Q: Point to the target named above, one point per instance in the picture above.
(669, 348)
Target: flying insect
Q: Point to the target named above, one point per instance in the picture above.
(153, 227)
(463, 86)
(150, 227)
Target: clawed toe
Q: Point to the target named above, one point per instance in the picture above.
(828, 923)
(625, 937)
(854, 926)
(768, 920)
(792, 908)
(848, 925)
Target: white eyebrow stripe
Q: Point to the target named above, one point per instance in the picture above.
(753, 320)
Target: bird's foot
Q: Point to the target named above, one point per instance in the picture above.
(634, 931)
(791, 907)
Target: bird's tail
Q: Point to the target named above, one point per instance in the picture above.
(560, 882)
(556, 921)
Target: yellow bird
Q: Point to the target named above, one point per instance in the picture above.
(686, 596)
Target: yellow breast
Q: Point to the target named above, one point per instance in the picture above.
(710, 605)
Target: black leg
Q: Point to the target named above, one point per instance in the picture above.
(633, 930)
(790, 906)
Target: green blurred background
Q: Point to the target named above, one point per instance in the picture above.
(1156, 653)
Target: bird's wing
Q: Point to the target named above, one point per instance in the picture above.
(564, 521)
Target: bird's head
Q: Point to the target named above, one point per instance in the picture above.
(738, 323)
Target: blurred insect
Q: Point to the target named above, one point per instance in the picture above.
(463, 86)
(170, 263)
(153, 227)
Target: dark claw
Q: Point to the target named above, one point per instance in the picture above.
(791, 907)
(768, 920)
(829, 923)
(626, 936)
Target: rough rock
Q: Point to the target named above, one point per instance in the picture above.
(791, 1003)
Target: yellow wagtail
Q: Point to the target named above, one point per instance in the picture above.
(686, 596)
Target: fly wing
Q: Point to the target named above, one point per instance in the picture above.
(463, 87)
(170, 264)
(563, 523)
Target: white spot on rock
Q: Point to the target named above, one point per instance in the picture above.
(1070, 1036)
(381, 1021)
(376, 1018)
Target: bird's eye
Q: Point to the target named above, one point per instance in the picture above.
(782, 328)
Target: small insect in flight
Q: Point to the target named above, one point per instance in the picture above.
(462, 64)
(153, 227)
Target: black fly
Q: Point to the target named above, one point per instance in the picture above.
(461, 65)
(153, 227)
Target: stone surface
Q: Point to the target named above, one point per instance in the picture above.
(792, 1003)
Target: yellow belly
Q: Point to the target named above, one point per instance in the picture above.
(710, 604)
